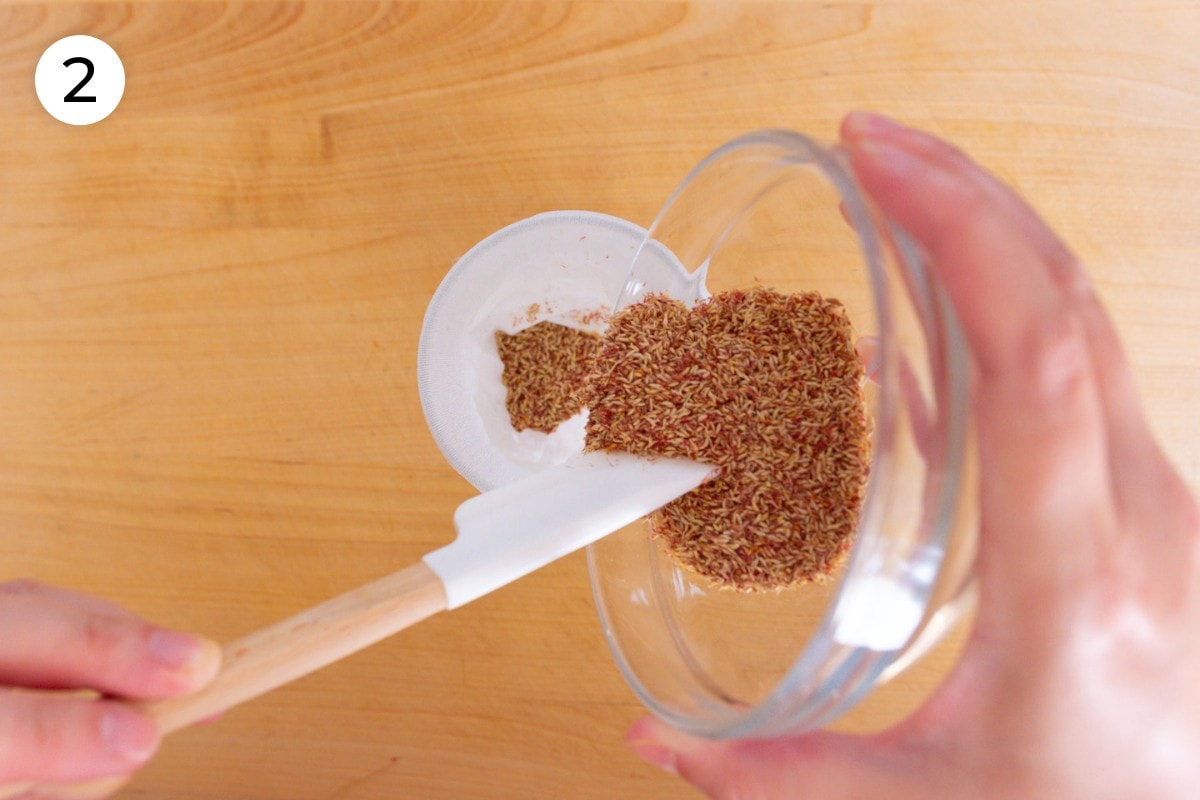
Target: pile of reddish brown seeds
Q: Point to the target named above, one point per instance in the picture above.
(766, 386)
(545, 366)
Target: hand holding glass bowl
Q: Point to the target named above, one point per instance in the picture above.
(1079, 678)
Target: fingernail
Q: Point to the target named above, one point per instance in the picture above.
(656, 755)
(128, 735)
(860, 124)
(176, 650)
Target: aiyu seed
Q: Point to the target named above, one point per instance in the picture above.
(769, 388)
(544, 367)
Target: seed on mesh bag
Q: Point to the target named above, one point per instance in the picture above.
(544, 367)
(769, 388)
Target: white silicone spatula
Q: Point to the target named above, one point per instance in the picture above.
(503, 535)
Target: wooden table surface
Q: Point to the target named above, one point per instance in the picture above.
(210, 305)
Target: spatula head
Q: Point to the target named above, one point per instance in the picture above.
(512, 530)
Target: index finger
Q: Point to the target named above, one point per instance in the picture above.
(1029, 269)
(52, 638)
(1043, 443)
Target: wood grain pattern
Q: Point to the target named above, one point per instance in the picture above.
(210, 304)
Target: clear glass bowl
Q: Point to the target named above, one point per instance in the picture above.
(773, 208)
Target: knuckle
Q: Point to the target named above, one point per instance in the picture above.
(43, 734)
(1055, 356)
(104, 637)
(30, 739)
(1072, 277)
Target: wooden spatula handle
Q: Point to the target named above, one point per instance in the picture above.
(269, 658)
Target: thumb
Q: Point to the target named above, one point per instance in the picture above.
(820, 765)
(53, 737)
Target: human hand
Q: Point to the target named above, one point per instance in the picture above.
(54, 642)
(1081, 676)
